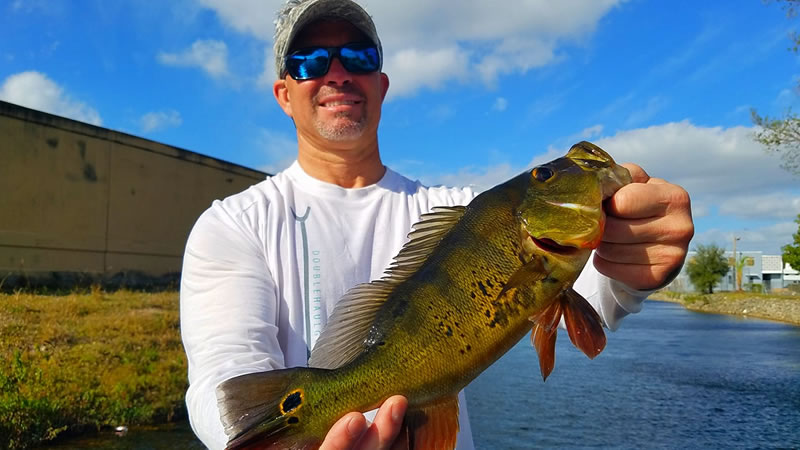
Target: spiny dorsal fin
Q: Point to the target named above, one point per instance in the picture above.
(343, 338)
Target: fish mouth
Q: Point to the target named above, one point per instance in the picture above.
(552, 246)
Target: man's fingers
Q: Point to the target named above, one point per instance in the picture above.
(637, 173)
(647, 253)
(384, 430)
(639, 200)
(345, 433)
(637, 276)
(662, 230)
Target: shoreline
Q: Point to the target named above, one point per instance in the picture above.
(777, 308)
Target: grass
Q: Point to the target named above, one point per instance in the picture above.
(88, 360)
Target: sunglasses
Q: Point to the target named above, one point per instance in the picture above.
(314, 62)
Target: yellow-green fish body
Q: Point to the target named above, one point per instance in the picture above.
(459, 295)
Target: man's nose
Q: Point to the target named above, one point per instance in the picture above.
(337, 74)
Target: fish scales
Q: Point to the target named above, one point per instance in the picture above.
(460, 294)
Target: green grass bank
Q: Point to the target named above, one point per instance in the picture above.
(85, 361)
(777, 307)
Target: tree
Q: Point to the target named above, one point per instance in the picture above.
(739, 266)
(791, 253)
(707, 267)
(782, 135)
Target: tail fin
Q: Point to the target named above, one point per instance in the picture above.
(260, 410)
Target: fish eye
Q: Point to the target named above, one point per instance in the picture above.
(542, 173)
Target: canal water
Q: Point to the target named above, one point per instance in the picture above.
(669, 378)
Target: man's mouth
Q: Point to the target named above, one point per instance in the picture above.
(335, 103)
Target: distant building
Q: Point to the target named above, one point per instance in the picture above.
(760, 272)
(82, 203)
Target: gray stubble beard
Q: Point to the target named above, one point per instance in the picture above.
(351, 130)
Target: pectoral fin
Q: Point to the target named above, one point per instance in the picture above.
(583, 324)
(533, 270)
(544, 336)
(434, 426)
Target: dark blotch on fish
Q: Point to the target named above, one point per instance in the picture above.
(482, 288)
(292, 402)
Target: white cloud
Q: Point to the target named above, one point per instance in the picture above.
(721, 168)
(209, 55)
(441, 113)
(500, 104)
(584, 135)
(438, 65)
(733, 183)
(253, 17)
(279, 149)
(160, 120)
(593, 131)
(497, 39)
(700, 210)
(428, 44)
(777, 205)
(710, 161)
(35, 90)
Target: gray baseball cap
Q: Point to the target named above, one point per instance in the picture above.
(296, 14)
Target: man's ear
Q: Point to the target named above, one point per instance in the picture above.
(281, 93)
(384, 85)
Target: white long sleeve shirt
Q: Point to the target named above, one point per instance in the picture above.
(264, 268)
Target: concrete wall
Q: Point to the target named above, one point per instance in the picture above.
(82, 201)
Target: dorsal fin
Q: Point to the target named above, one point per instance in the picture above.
(343, 338)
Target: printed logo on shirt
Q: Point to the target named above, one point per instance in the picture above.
(312, 284)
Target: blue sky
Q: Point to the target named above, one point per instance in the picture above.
(478, 92)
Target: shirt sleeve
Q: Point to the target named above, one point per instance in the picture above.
(229, 314)
(612, 299)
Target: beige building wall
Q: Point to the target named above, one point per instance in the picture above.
(80, 200)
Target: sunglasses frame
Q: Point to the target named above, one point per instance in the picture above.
(334, 52)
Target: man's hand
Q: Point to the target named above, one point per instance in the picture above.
(351, 431)
(648, 229)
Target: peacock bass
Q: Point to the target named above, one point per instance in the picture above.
(468, 285)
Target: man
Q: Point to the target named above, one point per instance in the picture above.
(263, 269)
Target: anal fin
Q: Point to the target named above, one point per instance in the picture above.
(434, 426)
(583, 324)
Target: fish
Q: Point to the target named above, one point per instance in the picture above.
(470, 283)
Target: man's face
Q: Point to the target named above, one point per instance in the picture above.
(339, 106)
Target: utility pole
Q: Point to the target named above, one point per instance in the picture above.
(735, 286)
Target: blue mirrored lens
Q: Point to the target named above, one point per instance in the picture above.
(360, 59)
(306, 64)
